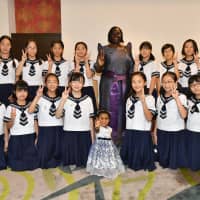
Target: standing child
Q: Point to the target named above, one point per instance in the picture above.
(22, 154)
(171, 107)
(104, 159)
(193, 125)
(57, 64)
(83, 64)
(50, 128)
(30, 67)
(189, 65)
(2, 154)
(137, 146)
(7, 69)
(146, 64)
(78, 122)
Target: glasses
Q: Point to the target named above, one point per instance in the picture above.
(193, 85)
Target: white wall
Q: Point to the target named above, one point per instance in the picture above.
(169, 21)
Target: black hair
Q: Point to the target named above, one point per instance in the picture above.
(52, 45)
(147, 45)
(167, 46)
(11, 54)
(111, 32)
(194, 78)
(81, 42)
(103, 112)
(45, 80)
(143, 76)
(76, 76)
(18, 86)
(26, 45)
(194, 44)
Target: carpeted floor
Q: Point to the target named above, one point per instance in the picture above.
(76, 184)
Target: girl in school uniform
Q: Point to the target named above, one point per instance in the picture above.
(2, 147)
(30, 67)
(57, 64)
(189, 64)
(84, 65)
(137, 146)
(104, 159)
(7, 69)
(22, 154)
(78, 122)
(170, 61)
(146, 63)
(193, 126)
(172, 111)
(50, 128)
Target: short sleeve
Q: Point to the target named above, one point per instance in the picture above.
(7, 117)
(155, 70)
(45, 67)
(91, 107)
(150, 101)
(183, 100)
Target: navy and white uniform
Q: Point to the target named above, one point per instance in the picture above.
(7, 78)
(77, 131)
(22, 154)
(150, 69)
(2, 155)
(88, 85)
(32, 74)
(50, 132)
(172, 140)
(137, 146)
(62, 70)
(104, 159)
(193, 130)
(163, 67)
(186, 69)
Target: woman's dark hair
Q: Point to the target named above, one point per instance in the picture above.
(100, 112)
(146, 45)
(194, 44)
(76, 76)
(194, 78)
(20, 85)
(26, 45)
(52, 45)
(167, 46)
(46, 78)
(111, 32)
(143, 76)
(81, 42)
(11, 54)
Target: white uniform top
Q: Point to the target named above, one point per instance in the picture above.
(33, 76)
(2, 113)
(173, 120)
(193, 117)
(163, 67)
(77, 113)
(104, 132)
(7, 74)
(138, 120)
(184, 75)
(150, 69)
(23, 124)
(46, 113)
(88, 81)
(65, 69)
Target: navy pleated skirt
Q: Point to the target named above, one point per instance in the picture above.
(90, 92)
(22, 153)
(32, 92)
(137, 150)
(194, 150)
(173, 149)
(6, 91)
(75, 148)
(2, 154)
(49, 146)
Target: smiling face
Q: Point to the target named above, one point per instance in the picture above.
(115, 36)
(21, 94)
(77, 85)
(195, 88)
(104, 119)
(168, 54)
(138, 83)
(168, 84)
(52, 83)
(31, 49)
(5, 46)
(145, 52)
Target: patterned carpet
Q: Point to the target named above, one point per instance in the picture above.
(76, 184)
